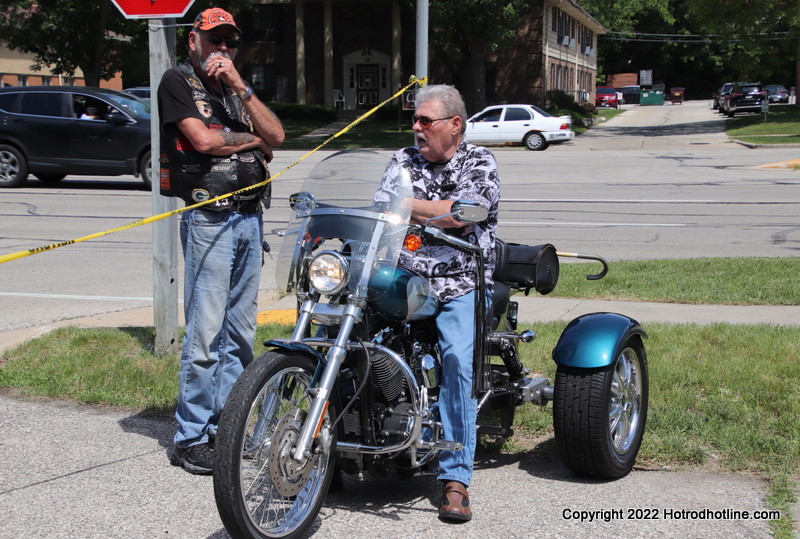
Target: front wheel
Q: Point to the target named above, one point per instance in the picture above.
(260, 490)
(146, 169)
(13, 167)
(535, 141)
(599, 414)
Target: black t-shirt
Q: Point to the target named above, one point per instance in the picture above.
(180, 97)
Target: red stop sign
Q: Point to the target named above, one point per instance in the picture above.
(153, 9)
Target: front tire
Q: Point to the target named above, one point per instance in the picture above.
(535, 142)
(260, 490)
(13, 167)
(146, 169)
(599, 414)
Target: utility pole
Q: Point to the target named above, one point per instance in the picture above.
(422, 39)
(165, 233)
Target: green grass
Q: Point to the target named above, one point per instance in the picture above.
(782, 126)
(296, 128)
(729, 281)
(367, 134)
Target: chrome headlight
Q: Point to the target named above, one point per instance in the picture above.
(328, 272)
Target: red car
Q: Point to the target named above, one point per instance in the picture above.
(606, 97)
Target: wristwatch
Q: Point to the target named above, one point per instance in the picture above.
(247, 93)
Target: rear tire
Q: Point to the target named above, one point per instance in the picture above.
(13, 167)
(535, 142)
(599, 414)
(260, 490)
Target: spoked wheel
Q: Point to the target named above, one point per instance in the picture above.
(261, 491)
(146, 170)
(599, 414)
(13, 167)
(535, 141)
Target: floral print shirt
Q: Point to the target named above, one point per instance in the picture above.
(471, 174)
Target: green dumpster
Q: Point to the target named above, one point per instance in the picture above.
(649, 97)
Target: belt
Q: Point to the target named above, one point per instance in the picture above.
(238, 206)
(246, 206)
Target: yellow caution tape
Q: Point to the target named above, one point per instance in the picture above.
(153, 218)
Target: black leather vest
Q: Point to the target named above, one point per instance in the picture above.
(195, 176)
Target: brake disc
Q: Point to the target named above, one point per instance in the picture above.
(288, 475)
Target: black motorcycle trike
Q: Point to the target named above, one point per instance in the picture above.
(352, 389)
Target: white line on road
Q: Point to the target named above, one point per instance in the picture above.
(610, 200)
(596, 225)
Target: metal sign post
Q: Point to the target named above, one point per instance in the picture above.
(165, 234)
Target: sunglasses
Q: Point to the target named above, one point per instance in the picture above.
(230, 42)
(425, 122)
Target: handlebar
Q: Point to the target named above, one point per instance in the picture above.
(591, 277)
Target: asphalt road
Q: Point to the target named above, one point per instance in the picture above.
(656, 182)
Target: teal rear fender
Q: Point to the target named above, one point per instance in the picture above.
(592, 340)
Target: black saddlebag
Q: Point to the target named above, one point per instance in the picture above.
(526, 266)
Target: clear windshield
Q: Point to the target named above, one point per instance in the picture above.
(346, 205)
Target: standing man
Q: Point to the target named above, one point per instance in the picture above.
(216, 137)
(445, 168)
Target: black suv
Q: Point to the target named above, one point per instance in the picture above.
(52, 131)
(721, 96)
(745, 97)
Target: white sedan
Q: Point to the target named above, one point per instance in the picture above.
(515, 124)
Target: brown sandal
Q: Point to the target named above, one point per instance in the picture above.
(455, 502)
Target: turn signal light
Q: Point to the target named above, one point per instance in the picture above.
(412, 242)
(564, 126)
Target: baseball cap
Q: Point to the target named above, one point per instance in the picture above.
(213, 17)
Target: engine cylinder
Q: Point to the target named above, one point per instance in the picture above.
(386, 377)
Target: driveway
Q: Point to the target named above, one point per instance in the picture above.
(692, 125)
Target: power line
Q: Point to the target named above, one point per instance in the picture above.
(647, 34)
(653, 40)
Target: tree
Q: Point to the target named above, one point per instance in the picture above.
(86, 35)
(465, 32)
(760, 39)
(699, 44)
(90, 35)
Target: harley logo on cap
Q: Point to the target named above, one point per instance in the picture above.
(219, 16)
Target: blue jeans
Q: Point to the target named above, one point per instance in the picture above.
(457, 409)
(223, 258)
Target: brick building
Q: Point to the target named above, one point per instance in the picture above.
(313, 51)
(15, 70)
(362, 51)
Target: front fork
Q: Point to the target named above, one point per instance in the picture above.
(334, 359)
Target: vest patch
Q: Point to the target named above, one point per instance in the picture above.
(200, 195)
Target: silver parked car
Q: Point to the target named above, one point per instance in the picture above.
(777, 93)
